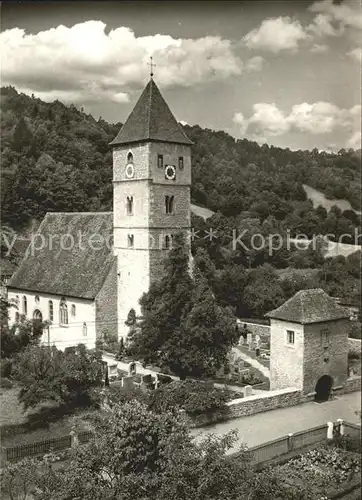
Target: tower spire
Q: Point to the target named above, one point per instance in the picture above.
(151, 65)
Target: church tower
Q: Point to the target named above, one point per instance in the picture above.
(151, 196)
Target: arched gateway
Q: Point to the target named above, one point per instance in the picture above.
(323, 389)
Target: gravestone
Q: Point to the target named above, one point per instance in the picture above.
(132, 368)
(127, 382)
(113, 371)
(241, 340)
(257, 352)
(248, 391)
(257, 339)
(249, 338)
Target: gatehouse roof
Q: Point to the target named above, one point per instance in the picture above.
(309, 306)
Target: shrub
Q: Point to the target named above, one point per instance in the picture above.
(355, 331)
(193, 396)
(5, 383)
(5, 368)
(251, 379)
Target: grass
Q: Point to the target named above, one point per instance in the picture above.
(251, 354)
(46, 421)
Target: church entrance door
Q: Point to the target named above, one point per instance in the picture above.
(323, 389)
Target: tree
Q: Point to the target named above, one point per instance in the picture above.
(17, 337)
(17, 479)
(263, 292)
(47, 374)
(182, 327)
(131, 322)
(138, 454)
(164, 307)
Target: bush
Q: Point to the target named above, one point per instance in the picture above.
(355, 331)
(5, 383)
(195, 397)
(251, 379)
(5, 368)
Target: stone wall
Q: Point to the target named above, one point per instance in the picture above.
(251, 405)
(325, 356)
(254, 328)
(354, 346)
(286, 360)
(352, 384)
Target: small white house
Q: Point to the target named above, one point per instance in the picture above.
(68, 280)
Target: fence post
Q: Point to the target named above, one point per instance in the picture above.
(341, 426)
(290, 441)
(74, 440)
(330, 430)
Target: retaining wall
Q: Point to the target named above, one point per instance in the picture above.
(250, 405)
(354, 346)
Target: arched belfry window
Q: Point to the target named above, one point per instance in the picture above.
(63, 312)
(168, 241)
(130, 158)
(169, 204)
(129, 205)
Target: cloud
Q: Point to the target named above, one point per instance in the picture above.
(332, 19)
(276, 35)
(355, 53)
(84, 63)
(319, 48)
(241, 122)
(354, 141)
(254, 64)
(317, 118)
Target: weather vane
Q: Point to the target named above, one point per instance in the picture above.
(151, 65)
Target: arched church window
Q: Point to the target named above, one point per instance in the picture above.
(130, 158)
(51, 310)
(168, 241)
(129, 205)
(63, 312)
(25, 305)
(85, 329)
(181, 162)
(169, 204)
(130, 241)
(73, 310)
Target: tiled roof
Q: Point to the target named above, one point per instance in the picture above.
(151, 119)
(309, 306)
(78, 271)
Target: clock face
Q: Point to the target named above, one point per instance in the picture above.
(170, 172)
(129, 171)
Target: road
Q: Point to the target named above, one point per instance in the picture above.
(263, 427)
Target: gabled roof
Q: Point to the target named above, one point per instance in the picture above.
(309, 306)
(151, 120)
(76, 270)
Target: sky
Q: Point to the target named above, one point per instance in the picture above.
(286, 73)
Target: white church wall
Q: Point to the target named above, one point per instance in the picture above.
(81, 327)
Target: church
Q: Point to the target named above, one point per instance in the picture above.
(83, 272)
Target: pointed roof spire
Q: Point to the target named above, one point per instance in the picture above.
(151, 120)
